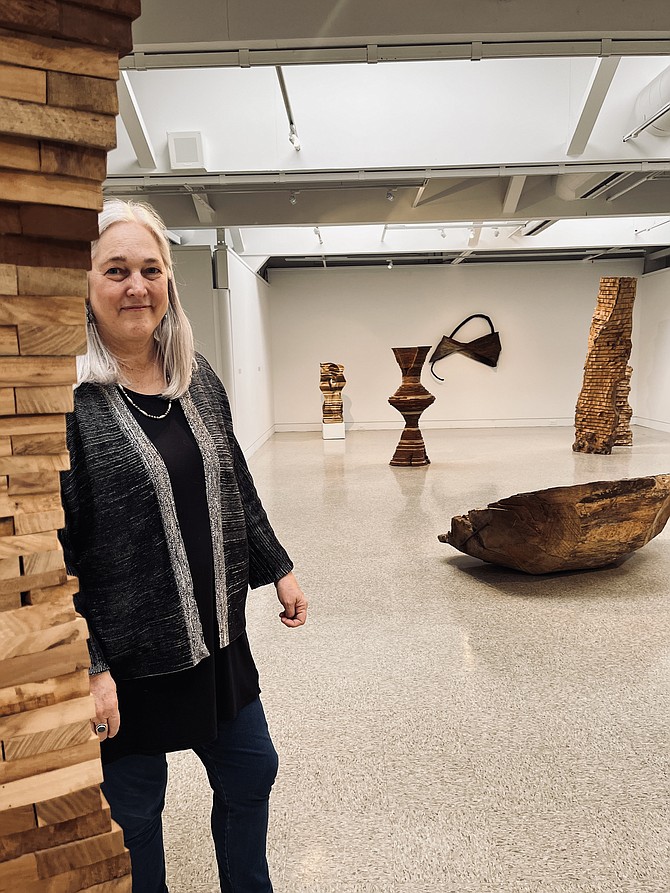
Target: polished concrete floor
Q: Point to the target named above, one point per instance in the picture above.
(444, 725)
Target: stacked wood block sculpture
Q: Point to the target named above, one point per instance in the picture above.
(602, 418)
(58, 68)
(565, 528)
(411, 399)
(331, 382)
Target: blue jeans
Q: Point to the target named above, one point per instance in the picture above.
(241, 766)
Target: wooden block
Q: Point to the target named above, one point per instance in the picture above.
(5, 448)
(8, 279)
(70, 806)
(17, 371)
(31, 464)
(36, 522)
(116, 885)
(9, 342)
(39, 503)
(19, 154)
(9, 567)
(57, 55)
(36, 310)
(19, 874)
(56, 783)
(47, 836)
(47, 718)
(53, 594)
(50, 281)
(51, 637)
(28, 119)
(78, 92)
(63, 738)
(10, 601)
(44, 252)
(96, 26)
(14, 821)
(31, 582)
(128, 8)
(71, 161)
(25, 545)
(52, 340)
(100, 877)
(58, 222)
(33, 695)
(10, 219)
(23, 83)
(61, 660)
(33, 619)
(38, 444)
(6, 527)
(47, 400)
(35, 424)
(43, 16)
(49, 189)
(41, 482)
(78, 854)
(42, 563)
(7, 401)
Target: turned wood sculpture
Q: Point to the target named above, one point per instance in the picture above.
(59, 66)
(331, 384)
(602, 416)
(411, 399)
(485, 349)
(565, 528)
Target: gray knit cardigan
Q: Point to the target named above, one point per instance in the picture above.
(122, 539)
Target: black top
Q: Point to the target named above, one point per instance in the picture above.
(179, 710)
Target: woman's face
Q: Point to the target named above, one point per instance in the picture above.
(128, 287)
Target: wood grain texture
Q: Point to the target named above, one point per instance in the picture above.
(65, 125)
(70, 806)
(128, 8)
(47, 718)
(45, 252)
(24, 545)
(39, 444)
(50, 281)
(39, 640)
(58, 222)
(41, 563)
(58, 661)
(28, 84)
(38, 595)
(14, 821)
(49, 189)
(48, 400)
(7, 400)
(68, 856)
(19, 154)
(81, 92)
(38, 16)
(72, 161)
(565, 528)
(9, 567)
(36, 310)
(46, 340)
(47, 836)
(33, 695)
(411, 399)
(38, 482)
(33, 424)
(9, 341)
(28, 582)
(52, 784)
(99, 27)
(38, 522)
(17, 371)
(65, 737)
(57, 55)
(8, 279)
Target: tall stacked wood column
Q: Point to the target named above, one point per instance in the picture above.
(58, 68)
(602, 418)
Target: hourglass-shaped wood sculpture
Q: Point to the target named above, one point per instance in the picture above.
(411, 399)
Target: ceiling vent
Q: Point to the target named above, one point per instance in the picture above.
(185, 150)
(655, 96)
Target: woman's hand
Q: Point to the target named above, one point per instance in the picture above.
(103, 689)
(293, 600)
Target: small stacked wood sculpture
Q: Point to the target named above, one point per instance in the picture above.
(602, 417)
(331, 384)
(58, 68)
(565, 528)
(411, 399)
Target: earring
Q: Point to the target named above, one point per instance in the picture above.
(90, 319)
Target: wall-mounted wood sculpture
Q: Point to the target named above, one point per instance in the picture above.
(602, 416)
(58, 104)
(331, 383)
(565, 528)
(485, 349)
(411, 399)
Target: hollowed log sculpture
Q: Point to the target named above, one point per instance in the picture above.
(565, 528)
(411, 399)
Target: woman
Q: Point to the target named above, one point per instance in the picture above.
(165, 530)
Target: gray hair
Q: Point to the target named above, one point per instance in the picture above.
(173, 335)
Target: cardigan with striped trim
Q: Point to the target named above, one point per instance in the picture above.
(122, 539)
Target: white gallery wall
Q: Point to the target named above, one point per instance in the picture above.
(354, 316)
(651, 352)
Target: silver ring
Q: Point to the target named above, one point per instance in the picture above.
(100, 727)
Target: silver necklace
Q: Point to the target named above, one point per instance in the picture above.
(139, 408)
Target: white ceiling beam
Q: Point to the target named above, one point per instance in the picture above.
(206, 213)
(461, 257)
(236, 239)
(419, 192)
(131, 116)
(513, 194)
(594, 97)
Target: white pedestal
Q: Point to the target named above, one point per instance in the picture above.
(333, 431)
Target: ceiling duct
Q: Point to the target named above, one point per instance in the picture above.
(653, 97)
(571, 187)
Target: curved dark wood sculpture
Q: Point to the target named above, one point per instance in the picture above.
(565, 528)
(485, 349)
(411, 399)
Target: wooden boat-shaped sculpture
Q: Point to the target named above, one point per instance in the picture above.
(565, 528)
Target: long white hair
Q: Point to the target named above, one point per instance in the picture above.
(174, 336)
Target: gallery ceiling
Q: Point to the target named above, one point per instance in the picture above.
(438, 132)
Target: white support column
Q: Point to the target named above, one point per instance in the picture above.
(134, 123)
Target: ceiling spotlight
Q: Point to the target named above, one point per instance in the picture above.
(390, 195)
(293, 138)
(317, 233)
(443, 234)
(390, 264)
(496, 232)
(292, 199)
(471, 232)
